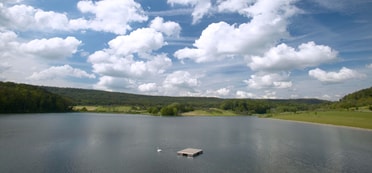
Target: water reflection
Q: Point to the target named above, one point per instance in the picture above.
(128, 143)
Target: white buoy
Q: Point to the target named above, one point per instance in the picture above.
(159, 150)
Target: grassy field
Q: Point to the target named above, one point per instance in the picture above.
(210, 112)
(110, 109)
(136, 110)
(344, 118)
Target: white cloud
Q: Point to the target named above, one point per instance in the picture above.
(53, 48)
(286, 84)
(201, 7)
(335, 77)
(142, 40)
(269, 95)
(222, 92)
(259, 81)
(109, 15)
(22, 57)
(244, 94)
(169, 28)
(221, 40)
(233, 5)
(24, 17)
(180, 83)
(8, 42)
(283, 57)
(180, 79)
(110, 83)
(60, 72)
(130, 58)
(129, 67)
(148, 87)
(118, 60)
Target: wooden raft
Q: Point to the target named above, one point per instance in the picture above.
(190, 152)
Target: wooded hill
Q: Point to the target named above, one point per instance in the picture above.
(22, 98)
(357, 99)
(16, 98)
(176, 105)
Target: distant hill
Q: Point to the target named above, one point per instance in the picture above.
(97, 97)
(22, 98)
(240, 106)
(27, 98)
(357, 99)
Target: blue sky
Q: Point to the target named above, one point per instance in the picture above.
(220, 48)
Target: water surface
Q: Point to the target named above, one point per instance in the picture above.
(87, 142)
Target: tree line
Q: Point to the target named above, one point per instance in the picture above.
(16, 98)
(22, 98)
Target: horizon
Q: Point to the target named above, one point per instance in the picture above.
(254, 49)
(214, 97)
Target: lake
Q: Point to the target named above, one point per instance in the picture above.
(89, 142)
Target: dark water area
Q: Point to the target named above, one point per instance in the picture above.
(87, 142)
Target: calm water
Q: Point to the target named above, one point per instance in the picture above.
(127, 143)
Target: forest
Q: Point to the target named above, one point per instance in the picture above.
(22, 98)
(164, 105)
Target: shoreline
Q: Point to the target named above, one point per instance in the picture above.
(323, 124)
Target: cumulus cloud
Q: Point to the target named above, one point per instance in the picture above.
(139, 41)
(180, 83)
(8, 42)
(61, 72)
(272, 80)
(118, 60)
(23, 57)
(169, 28)
(244, 94)
(369, 66)
(335, 77)
(109, 15)
(129, 67)
(269, 95)
(53, 48)
(283, 57)
(268, 24)
(24, 17)
(148, 87)
(201, 7)
(233, 5)
(180, 79)
(130, 58)
(222, 92)
(110, 83)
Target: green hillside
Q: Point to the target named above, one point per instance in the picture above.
(176, 105)
(28, 98)
(357, 99)
(22, 98)
(97, 97)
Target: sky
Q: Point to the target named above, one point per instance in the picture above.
(260, 49)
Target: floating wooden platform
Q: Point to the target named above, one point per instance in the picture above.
(190, 152)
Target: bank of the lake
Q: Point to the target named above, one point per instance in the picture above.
(210, 112)
(359, 119)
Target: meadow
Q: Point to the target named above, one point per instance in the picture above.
(360, 119)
